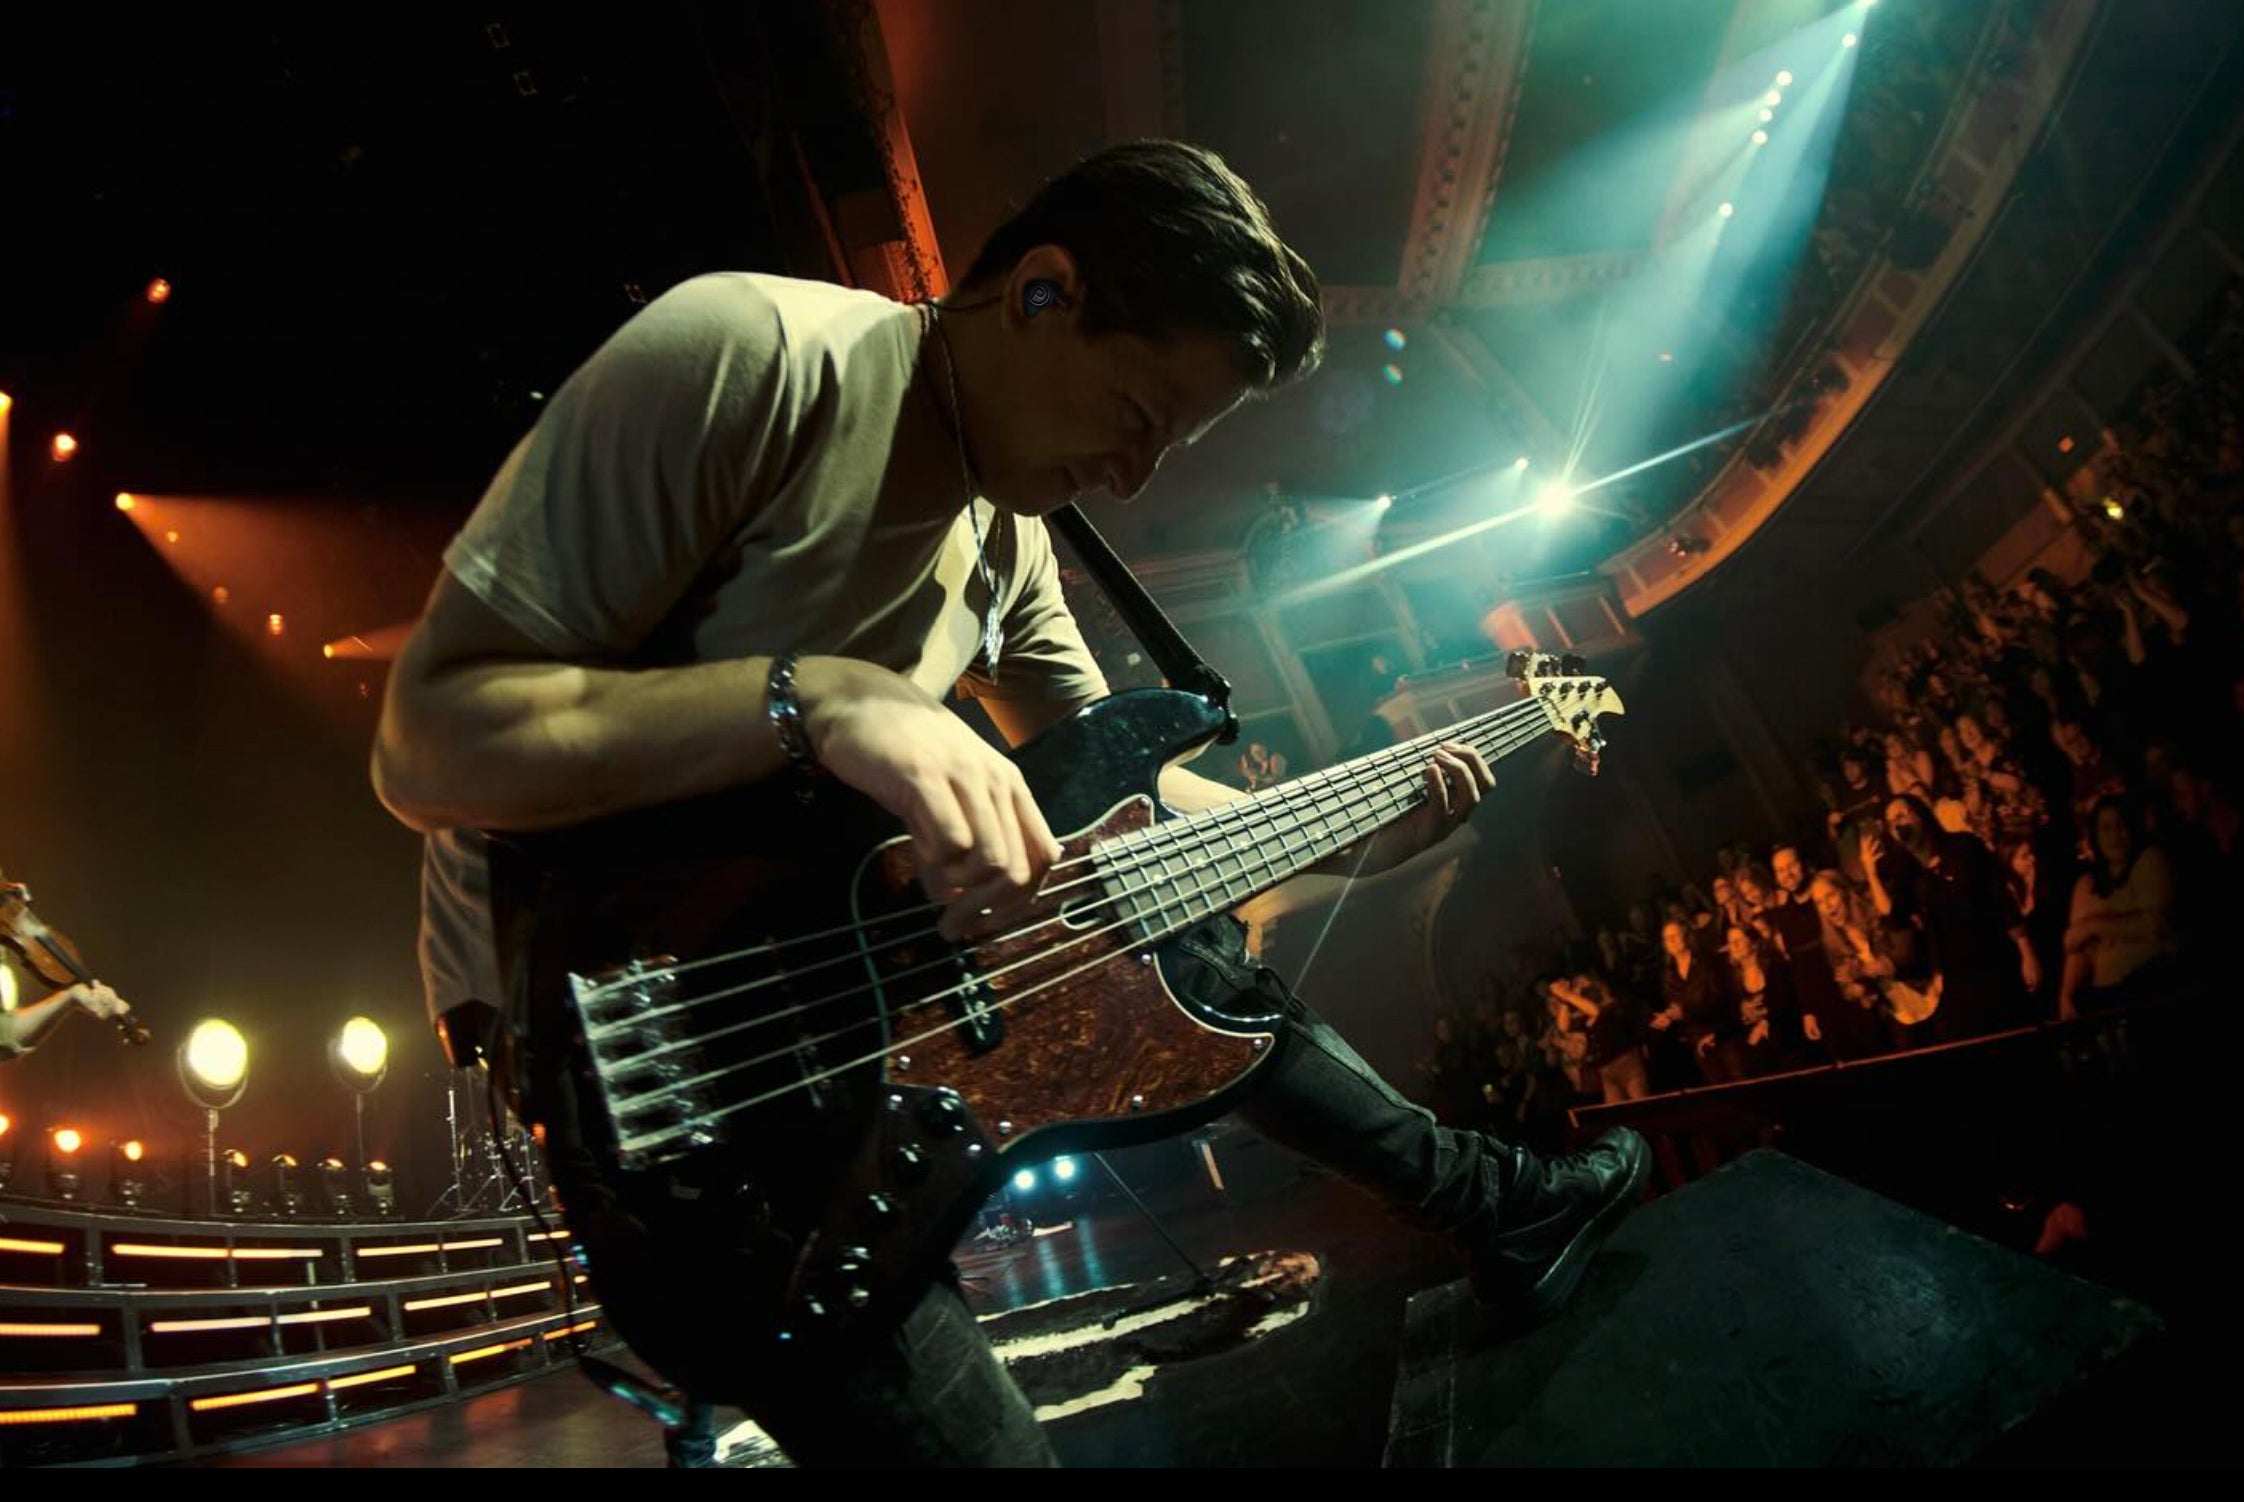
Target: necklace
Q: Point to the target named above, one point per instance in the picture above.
(992, 638)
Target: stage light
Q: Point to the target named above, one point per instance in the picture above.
(1519, 465)
(361, 1053)
(1774, 98)
(1386, 501)
(1848, 40)
(124, 500)
(1727, 210)
(1063, 1169)
(287, 1198)
(1767, 116)
(1760, 138)
(274, 625)
(63, 1178)
(214, 1070)
(1394, 375)
(1024, 1181)
(1396, 339)
(1784, 79)
(227, 1187)
(159, 291)
(6, 401)
(64, 448)
(335, 1186)
(2114, 509)
(1554, 497)
(381, 1188)
(215, 1061)
(171, 537)
(128, 1183)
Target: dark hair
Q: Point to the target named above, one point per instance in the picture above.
(1917, 806)
(1170, 239)
(2099, 870)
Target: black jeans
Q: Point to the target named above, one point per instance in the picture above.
(936, 1395)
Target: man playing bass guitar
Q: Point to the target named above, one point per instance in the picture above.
(765, 529)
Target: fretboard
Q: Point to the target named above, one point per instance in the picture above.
(1173, 875)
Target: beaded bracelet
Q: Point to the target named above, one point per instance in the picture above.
(787, 713)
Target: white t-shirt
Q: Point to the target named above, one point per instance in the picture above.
(744, 468)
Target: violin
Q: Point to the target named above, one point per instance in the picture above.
(52, 957)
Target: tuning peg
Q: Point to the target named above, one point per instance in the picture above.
(1573, 664)
(1516, 665)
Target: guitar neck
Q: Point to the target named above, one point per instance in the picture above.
(1182, 871)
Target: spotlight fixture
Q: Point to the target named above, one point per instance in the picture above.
(335, 1186)
(1784, 79)
(1024, 1181)
(1686, 545)
(1848, 40)
(159, 291)
(275, 626)
(125, 500)
(381, 1188)
(64, 448)
(1554, 497)
(128, 1174)
(2114, 510)
(1063, 1169)
(1386, 501)
(1519, 465)
(63, 1178)
(360, 1057)
(1773, 98)
(1727, 209)
(287, 1198)
(6, 401)
(1760, 138)
(227, 1186)
(214, 1068)
(1767, 115)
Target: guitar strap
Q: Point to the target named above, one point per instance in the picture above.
(1183, 667)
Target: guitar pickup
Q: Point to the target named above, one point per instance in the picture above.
(973, 1007)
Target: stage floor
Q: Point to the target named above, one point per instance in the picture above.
(1317, 1392)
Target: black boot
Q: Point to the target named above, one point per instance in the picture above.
(1551, 1215)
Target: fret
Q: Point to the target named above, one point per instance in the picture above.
(1166, 878)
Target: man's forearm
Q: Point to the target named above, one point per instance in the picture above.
(537, 745)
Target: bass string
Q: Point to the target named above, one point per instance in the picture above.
(1186, 900)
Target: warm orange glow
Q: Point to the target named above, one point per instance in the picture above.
(443, 1301)
(377, 1166)
(215, 1253)
(328, 650)
(244, 1399)
(16, 1331)
(67, 1140)
(124, 500)
(221, 595)
(576, 1329)
(541, 1286)
(285, 1160)
(31, 1248)
(258, 1321)
(135, 1150)
(9, 1416)
(6, 401)
(274, 626)
(360, 1379)
(171, 537)
(416, 1249)
(4, 1123)
(159, 291)
(63, 447)
(480, 1352)
(237, 1157)
(476, 1245)
(2065, 444)
(547, 1236)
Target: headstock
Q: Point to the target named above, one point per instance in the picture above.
(1571, 698)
